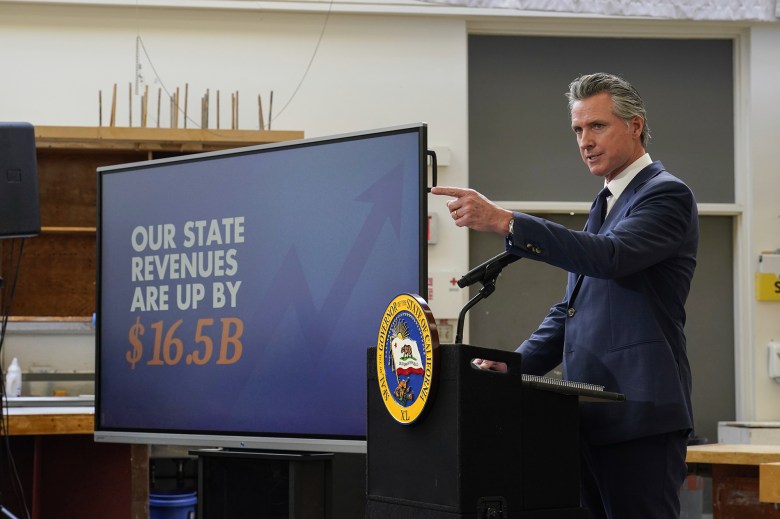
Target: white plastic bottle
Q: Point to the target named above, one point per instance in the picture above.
(13, 379)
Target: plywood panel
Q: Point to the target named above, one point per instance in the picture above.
(57, 276)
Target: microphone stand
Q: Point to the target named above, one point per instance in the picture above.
(492, 271)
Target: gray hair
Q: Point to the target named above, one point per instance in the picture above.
(626, 101)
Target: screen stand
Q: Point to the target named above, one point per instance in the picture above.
(247, 483)
(7, 513)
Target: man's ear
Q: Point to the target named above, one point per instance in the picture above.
(637, 125)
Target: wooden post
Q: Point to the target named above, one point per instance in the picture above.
(112, 121)
(260, 112)
(186, 101)
(145, 106)
(217, 109)
(204, 110)
(236, 110)
(159, 99)
(270, 109)
(130, 104)
(769, 482)
(176, 109)
(100, 108)
(143, 112)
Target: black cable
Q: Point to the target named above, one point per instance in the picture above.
(140, 41)
(10, 297)
(311, 60)
(5, 426)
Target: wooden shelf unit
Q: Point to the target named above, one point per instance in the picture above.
(57, 275)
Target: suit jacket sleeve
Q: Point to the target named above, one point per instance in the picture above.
(639, 232)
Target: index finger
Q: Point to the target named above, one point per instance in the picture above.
(449, 191)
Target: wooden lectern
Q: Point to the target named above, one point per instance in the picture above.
(488, 446)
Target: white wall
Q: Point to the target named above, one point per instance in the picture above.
(367, 72)
(764, 222)
(375, 69)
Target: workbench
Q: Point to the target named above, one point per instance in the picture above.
(64, 473)
(745, 478)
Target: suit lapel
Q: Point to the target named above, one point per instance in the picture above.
(618, 209)
(630, 192)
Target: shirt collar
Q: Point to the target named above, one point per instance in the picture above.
(618, 184)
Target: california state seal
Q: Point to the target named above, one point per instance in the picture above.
(407, 356)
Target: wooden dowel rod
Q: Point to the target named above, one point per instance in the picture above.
(270, 108)
(260, 112)
(145, 106)
(112, 120)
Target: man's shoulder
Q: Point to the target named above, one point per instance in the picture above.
(660, 188)
(656, 175)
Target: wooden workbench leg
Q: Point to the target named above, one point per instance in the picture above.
(139, 481)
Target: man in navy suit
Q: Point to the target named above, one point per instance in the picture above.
(621, 322)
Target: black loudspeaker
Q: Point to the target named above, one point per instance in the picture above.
(487, 448)
(19, 206)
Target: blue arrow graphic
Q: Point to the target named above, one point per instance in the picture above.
(291, 288)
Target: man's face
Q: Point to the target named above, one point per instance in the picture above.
(607, 143)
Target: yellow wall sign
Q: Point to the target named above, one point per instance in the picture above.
(767, 286)
(407, 357)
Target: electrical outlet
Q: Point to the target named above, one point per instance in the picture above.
(774, 360)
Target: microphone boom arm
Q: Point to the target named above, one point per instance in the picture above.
(487, 273)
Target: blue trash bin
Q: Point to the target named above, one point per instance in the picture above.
(172, 505)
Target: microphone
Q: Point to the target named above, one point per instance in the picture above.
(490, 268)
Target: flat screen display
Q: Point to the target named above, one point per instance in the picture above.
(238, 291)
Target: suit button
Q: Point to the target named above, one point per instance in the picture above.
(529, 246)
(537, 250)
(571, 311)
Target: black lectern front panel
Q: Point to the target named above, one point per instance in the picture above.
(484, 446)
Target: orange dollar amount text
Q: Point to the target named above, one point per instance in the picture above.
(170, 349)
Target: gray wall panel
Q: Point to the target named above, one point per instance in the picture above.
(521, 144)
